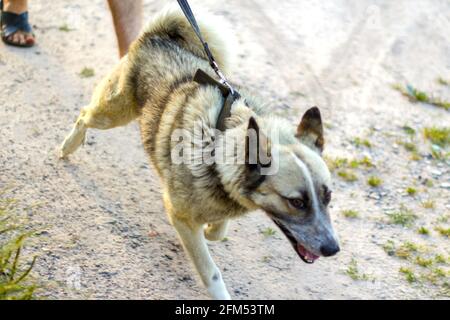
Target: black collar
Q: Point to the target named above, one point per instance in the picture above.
(201, 77)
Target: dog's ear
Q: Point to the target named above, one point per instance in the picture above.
(310, 129)
(257, 148)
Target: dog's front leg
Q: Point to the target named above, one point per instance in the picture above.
(216, 231)
(193, 239)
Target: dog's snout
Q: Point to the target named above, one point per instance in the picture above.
(329, 250)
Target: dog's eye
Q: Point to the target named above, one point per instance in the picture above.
(327, 196)
(297, 203)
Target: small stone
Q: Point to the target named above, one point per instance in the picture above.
(185, 278)
(436, 173)
(374, 196)
(445, 185)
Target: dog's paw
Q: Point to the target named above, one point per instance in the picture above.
(73, 141)
(218, 291)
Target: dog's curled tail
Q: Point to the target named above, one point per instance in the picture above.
(171, 23)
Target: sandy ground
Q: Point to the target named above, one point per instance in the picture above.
(105, 234)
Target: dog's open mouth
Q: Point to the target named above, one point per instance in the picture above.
(306, 255)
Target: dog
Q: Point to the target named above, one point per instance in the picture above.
(154, 85)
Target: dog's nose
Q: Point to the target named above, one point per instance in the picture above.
(329, 250)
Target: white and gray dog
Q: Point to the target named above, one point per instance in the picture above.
(154, 84)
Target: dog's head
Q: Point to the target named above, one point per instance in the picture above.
(296, 196)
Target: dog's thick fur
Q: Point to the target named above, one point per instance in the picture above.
(153, 84)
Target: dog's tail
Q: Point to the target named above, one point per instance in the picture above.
(171, 23)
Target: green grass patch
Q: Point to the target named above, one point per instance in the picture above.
(65, 28)
(411, 191)
(336, 163)
(374, 181)
(350, 214)
(424, 231)
(423, 262)
(14, 272)
(428, 204)
(404, 217)
(389, 248)
(359, 142)
(366, 162)
(438, 136)
(439, 258)
(445, 232)
(415, 95)
(269, 232)
(415, 156)
(87, 73)
(439, 154)
(347, 175)
(442, 81)
(353, 271)
(409, 146)
(406, 250)
(435, 276)
(344, 163)
(409, 274)
(443, 219)
(409, 130)
(354, 164)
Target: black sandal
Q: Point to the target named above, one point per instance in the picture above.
(10, 23)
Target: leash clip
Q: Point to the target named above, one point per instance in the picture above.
(223, 80)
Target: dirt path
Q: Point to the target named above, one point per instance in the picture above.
(105, 231)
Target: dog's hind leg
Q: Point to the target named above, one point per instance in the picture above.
(75, 138)
(216, 231)
(112, 105)
(193, 239)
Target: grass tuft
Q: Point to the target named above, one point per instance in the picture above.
(439, 258)
(428, 204)
(354, 272)
(65, 28)
(416, 95)
(343, 163)
(389, 248)
(409, 274)
(423, 262)
(411, 191)
(406, 250)
(438, 136)
(87, 73)
(409, 146)
(14, 273)
(374, 181)
(442, 81)
(347, 175)
(445, 232)
(350, 214)
(358, 142)
(409, 130)
(424, 231)
(403, 217)
(269, 232)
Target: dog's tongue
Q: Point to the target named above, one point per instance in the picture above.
(306, 254)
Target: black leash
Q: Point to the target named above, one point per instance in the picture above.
(191, 18)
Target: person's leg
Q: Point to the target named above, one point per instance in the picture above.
(18, 7)
(127, 18)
